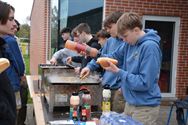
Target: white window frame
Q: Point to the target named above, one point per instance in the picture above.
(175, 20)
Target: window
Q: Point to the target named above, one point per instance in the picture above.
(168, 29)
(54, 26)
(71, 13)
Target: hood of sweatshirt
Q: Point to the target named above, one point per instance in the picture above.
(150, 34)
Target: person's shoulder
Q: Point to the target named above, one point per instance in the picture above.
(112, 39)
(150, 46)
(9, 38)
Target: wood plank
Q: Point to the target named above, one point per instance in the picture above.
(30, 82)
(40, 113)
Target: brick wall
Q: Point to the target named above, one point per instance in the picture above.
(176, 8)
(39, 34)
(40, 37)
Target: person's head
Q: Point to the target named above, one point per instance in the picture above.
(83, 31)
(110, 23)
(129, 27)
(102, 36)
(7, 23)
(74, 35)
(66, 33)
(17, 26)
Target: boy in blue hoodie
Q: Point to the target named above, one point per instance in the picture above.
(141, 58)
(108, 78)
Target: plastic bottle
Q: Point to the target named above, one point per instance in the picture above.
(74, 104)
(81, 48)
(86, 103)
(106, 104)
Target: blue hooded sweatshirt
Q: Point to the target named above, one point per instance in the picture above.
(108, 78)
(141, 68)
(17, 67)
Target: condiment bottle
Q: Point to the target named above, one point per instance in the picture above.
(74, 103)
(81, 48)
(106, 104)
(86, 103)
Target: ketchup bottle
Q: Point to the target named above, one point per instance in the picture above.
(93, 52)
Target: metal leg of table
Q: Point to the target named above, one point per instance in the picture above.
(170, 114)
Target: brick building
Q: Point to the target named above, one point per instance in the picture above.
(168, 17)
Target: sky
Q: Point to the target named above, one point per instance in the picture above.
(22, 9)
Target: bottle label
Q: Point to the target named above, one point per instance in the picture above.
(106, 106)
(80, 47)
(88, 111)
(74, 116)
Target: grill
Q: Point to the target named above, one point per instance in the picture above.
(58, 83)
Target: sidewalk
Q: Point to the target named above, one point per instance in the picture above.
(162, 120)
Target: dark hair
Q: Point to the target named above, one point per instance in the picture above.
(83, 27)
(112, 18)
(4, 11)
(103, 34)
(18, 25)
(66, 30)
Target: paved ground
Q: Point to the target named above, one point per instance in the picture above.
(164, 111)
(163, 116)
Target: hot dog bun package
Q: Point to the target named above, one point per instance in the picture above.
(4, 64)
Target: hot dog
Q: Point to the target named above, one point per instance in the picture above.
(103, 61)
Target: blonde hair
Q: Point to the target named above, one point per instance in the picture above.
(128, 21)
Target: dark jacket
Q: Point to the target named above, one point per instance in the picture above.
(84, 60)
(17, 67)
(7, 98)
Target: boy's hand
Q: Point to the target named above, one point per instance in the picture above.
(84, 73)
(83, 53)
(112, 67)
(69, 60)
(53, 61)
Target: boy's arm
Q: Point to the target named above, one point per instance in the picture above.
(92, 65)
(59, 54)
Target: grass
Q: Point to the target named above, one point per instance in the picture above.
(27, 68)
(27, 64)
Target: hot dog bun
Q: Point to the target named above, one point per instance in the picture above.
(4, 64)
(103, 61)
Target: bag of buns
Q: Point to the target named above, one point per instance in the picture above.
(4, 64)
